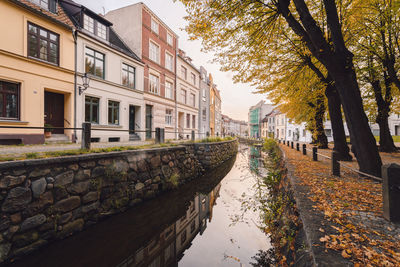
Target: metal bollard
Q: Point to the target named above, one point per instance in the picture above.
(291, 144)
(86, 135)
(297, 146)
(304, 149)
(335, 164)
(391, 192)
(284, 142)
(162, 135)
(193, 136)
(288, 143)
(314, 153)
(158, 135)
(279, 141)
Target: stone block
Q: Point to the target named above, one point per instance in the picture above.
(17, 199)
(10, 181)
(64, 178)
(33, 222)
(78, 188)
(68, 204)
(39, 172)
(38, 187)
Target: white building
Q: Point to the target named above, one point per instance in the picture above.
(114, 98)
(188, 91)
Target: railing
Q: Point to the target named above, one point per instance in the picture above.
(390, 178)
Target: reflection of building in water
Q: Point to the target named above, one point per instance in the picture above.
(167, 248)
(255, 158)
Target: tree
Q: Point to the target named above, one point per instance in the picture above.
(248, 25)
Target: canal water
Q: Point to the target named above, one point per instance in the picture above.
(212, 221)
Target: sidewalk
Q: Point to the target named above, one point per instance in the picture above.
(342, 216)
(19, 150)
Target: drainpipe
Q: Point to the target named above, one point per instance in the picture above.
(75, 36)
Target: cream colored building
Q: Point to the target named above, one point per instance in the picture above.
(113, 102)
(188, 91)
(36, 70)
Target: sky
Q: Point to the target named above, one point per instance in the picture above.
(236, 98)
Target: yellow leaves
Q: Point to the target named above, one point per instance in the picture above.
(325, 238)
(345, 254)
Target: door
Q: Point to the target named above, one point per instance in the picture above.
(54, 111)
(397, 130)
(131, 119)
(149, 121)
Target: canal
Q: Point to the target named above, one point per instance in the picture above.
(213, 221)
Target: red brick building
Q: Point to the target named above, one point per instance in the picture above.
(152, 40)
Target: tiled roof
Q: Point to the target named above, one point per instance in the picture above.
(60, 16)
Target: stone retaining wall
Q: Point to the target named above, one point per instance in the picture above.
(47, 199)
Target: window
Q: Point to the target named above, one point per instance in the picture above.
(304, 133)
(50, 5)
(101, 30)
(154, 26)
(204, 94)
(88, 23)
(154, 84)
(328, 132)
(193, 78)
(183, 72)
(290, 133)
(204, 114)
(193, 99)
(94, 27)
(113, 112)
(187, 120)
(170, 39)
(168, 117)
(94, 62)
(154, 52)
(194, 121)
(183, 236)
(169, 64)
(183, 96)
(128, 76)
(193, 227)
(43, 44)
(91, 109)
(168, 90)
(9, 100)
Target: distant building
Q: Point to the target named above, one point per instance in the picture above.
(204, 104)
(215, 109)
(256, 115)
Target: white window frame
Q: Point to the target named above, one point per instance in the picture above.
(155, 26)
(88, 23)
(157, 52)
(101, 30)
(170, 39)
(154, 86)
(168, 117)
(171, 64)
(169, 95)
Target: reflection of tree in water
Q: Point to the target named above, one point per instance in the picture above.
(264, 258)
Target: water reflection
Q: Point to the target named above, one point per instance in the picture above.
(155, 233)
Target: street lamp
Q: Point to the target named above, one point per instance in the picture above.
(85, 82)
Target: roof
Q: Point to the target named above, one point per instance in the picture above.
(61, 17)
(72, 9)
(189, 63)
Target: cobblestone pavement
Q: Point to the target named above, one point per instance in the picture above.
(18, 150)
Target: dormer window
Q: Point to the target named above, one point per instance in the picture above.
(50, 5)
(95, 27)
(88, 23)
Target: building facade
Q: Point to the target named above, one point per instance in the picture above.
(114, 98)
(204, 104)
(36, 70)
(188, 91)
(156, 44)
(256, 115)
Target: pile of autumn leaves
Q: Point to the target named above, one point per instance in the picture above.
(345, 201)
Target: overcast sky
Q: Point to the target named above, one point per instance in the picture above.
(236, 98)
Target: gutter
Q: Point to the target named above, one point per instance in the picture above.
(75, 36)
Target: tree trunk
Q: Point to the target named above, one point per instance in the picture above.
(335, 113)
(338, 60)
(386, 143)
(320, 136)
